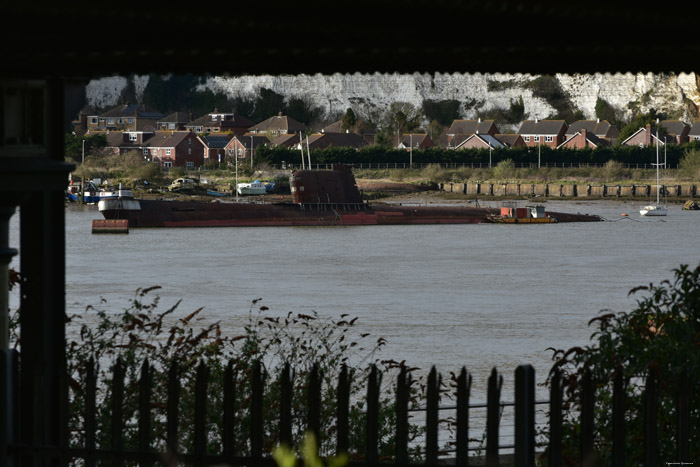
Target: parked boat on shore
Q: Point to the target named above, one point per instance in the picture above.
(319, 198)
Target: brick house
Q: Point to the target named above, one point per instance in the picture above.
(543, 132)
(460, 130)
(175, 149)
(332, 139)
(276, 126)
(645, 136)
(479, 141)
(694, 132)
(215, 146)
(220, 122)
(245, 145)
(583, 139)
(675, 131)
(127, 117)
(601, 129)
(415, 141)
(175, 121)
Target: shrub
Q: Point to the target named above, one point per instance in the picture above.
(661, 336)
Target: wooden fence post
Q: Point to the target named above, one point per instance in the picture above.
(402, 398)
(618, 416)
(431, 419)
(229, 421)
(493, 416)
(145, 389)
(256, 412)
(314, 403)
(117, 412)
(200, 413)
(343, 410)
(555, 420)
(371, 448)
(524, 416)
(651, 407)
(587, 406)
(285, 428)
(464, 384)
(173, 408)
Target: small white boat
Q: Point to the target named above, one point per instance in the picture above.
(655, 209)
(255, 188)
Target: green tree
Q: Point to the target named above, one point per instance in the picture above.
(303, 110)
(402, 117)
(349, 120)
(689, 164)
(605, 111)
(268, 104)
(445, 112)
(660, 338)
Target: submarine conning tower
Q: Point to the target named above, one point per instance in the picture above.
(326, 188)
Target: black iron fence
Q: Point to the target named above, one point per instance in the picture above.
(245, 440)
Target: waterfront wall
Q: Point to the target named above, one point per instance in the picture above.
(557, 190)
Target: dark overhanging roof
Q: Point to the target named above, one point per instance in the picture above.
(93, 39)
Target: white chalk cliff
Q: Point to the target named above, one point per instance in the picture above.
(677, 95)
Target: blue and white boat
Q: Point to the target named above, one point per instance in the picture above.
(92, 194)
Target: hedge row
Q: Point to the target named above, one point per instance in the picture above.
(672, 154)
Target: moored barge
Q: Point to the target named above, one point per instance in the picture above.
(319, 198)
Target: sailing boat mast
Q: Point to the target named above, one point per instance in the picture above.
(657, 165)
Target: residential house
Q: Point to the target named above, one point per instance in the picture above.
(479, 141)
(360, 128)
(244, 146)
(510, 140)
(646, 136)
(121, 142)
(601, 129)
(80, 122)
(327, 140)
(220, 122)
(127, 117)
(415, 141)
(460, 130)
(583, 139)
(543, 132)
(694, 132)
(286, 141)
(215, 146)
(175, 121)
(277, 125)
(175, 149)
(675, 131)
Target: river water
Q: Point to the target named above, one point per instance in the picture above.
(480, 296)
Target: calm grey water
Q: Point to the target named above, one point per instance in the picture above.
(479, 296)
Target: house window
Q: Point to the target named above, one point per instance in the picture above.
(167, 152)
(167, 164)
(145, 151)
(189, 165)
(695, 138)
(548, 139)
(537, 139)
(120, 121)
(130, 120)
(93, 120)
(132, 137)
(526, 139)
(110, 121)
(171, 126)
(189, 150)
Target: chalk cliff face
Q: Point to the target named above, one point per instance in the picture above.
(677, 95)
